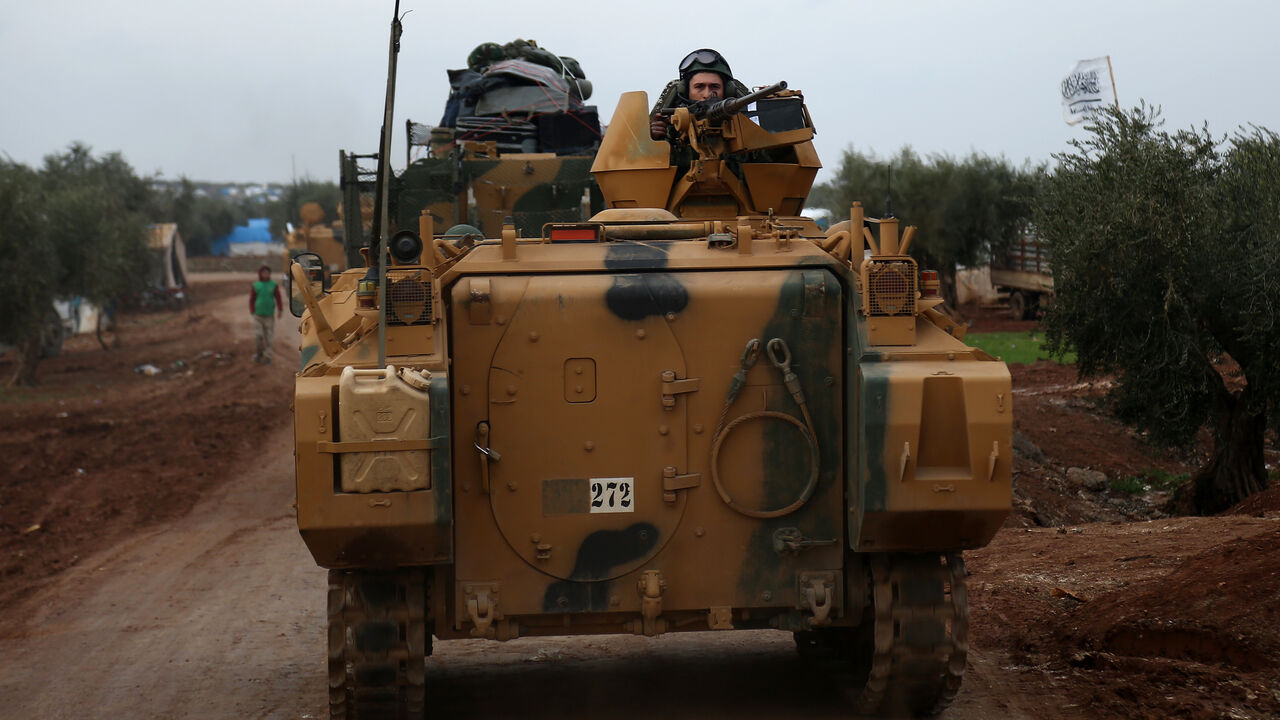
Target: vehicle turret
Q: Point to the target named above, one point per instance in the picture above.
(727, 161)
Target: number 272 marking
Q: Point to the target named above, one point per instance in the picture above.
(612, 495)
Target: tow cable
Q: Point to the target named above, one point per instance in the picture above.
(780, 355)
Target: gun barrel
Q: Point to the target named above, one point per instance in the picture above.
(732, 106)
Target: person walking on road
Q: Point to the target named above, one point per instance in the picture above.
(265, 293)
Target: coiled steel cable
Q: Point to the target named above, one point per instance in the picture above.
(780, 355)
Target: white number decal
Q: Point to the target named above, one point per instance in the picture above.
(612, 495)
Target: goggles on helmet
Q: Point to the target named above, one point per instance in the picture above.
(705, 56)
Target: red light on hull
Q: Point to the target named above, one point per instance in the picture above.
(568, 234)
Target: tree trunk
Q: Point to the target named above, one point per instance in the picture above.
(947, 286)
(1237, 468)
(27, 357)
(106, 323)
(946, 278)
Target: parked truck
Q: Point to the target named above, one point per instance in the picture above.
(1023, 277)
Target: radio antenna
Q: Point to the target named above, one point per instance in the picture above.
(381, 221)
(888, 198)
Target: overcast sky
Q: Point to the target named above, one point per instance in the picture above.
(263, 90)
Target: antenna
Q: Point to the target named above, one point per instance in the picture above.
(381, 221)
(888, 198)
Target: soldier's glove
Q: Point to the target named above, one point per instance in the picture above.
(658, 127)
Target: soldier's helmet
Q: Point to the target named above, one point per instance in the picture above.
(705, 60)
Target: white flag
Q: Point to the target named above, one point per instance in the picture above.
(1086, 89)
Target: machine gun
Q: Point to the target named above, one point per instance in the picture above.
(717, 111)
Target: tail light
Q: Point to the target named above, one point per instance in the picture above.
(573, 232)
(929, 283)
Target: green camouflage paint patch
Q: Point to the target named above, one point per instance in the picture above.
(441, 465)
(873, 408)
(810, 341)
(308, 354)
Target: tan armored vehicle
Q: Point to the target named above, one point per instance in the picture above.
(695, 412)
(316, 236)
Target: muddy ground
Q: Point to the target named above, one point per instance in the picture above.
(150, 566)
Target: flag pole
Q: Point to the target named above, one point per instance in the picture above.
(1112, 73)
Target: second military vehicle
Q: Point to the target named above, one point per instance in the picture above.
(516, 140)
(696, 411)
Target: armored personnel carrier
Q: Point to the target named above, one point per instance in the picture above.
(696, 411)
(314, 235)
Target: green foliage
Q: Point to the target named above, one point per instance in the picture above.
(1129, 485)
(1151, 479)
(1166, 257)
(1164, 480)
(967, 210)
(28, 283)
(75, 227)
(1015, 347)
(95, 213)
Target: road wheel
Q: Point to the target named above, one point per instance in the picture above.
(1019, 306)
(918, 636)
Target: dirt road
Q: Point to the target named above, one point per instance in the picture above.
(214, 615)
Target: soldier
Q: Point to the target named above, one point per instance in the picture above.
(704, 75)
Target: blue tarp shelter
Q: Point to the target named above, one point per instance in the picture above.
(253, 238)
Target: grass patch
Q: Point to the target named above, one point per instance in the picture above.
(1016, 347)
(1131, 485)
(1165, 480)
(1150, 479)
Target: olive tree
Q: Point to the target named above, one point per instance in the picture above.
(76, 227)
(1166, 257)
(96, 211)
(28, 284)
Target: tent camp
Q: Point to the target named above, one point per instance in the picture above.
(164, 240)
